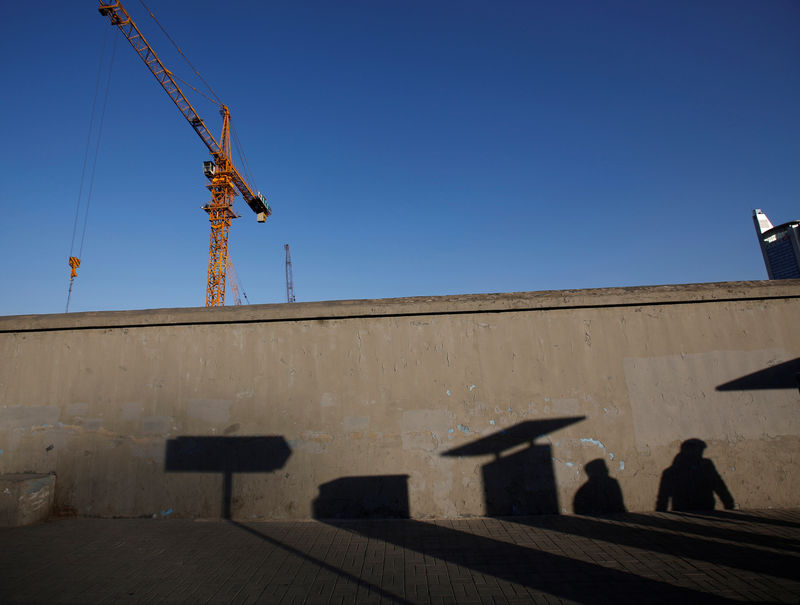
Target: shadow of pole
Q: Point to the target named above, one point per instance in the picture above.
(377, 590)
(741, 517)
(674, 541)
(554, 574)
(715, 525)
(547, 572)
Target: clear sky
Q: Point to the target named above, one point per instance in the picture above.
(406, 147)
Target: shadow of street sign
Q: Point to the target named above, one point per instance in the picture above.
(226, 455)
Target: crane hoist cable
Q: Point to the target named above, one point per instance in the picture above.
(161, 27)
(200, 92)
(216, 100)
(240, 151)
(75, 261)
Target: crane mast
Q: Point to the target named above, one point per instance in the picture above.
(220, 213)
(225, 179)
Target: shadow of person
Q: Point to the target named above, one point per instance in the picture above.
(691, 482)
(601, 494)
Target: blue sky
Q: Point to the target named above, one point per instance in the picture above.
(407, 148)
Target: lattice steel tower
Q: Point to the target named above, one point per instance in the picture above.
(289, 284)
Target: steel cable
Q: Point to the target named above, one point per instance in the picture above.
(97, 144)
(180, 51)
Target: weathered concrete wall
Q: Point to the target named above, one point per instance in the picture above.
(417, 387)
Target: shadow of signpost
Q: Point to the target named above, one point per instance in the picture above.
(226, 455)
(523, 482)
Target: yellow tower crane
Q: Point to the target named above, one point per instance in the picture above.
(225, 179)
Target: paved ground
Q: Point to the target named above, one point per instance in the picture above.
(641, 558)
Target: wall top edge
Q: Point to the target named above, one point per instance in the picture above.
(419, 305)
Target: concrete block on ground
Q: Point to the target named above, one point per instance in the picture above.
(25, 498)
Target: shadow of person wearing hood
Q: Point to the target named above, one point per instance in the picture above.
(691, 482)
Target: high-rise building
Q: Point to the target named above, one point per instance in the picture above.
(780, 246)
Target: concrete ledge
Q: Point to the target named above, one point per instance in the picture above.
(422, 305)
(25, 498)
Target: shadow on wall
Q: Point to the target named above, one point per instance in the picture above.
(372, 497)
(784, 375)
(691, 482)
(226, 455)
(601, 494)
(521, 483)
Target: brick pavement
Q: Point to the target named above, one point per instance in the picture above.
(642, 558)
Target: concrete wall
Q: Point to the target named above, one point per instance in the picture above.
(463, 405)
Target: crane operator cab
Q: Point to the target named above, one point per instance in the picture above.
(209, 168)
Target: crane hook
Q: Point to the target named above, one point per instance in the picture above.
(74, 263)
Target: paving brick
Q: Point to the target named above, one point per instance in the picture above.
(649, 557)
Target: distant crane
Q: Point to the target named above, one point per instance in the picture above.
(289, 284)
(225, 179)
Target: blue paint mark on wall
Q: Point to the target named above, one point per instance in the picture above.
(622, 465)
(463, 428)
(600, 444)
(169, 511)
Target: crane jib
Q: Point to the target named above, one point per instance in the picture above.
(121, 19)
